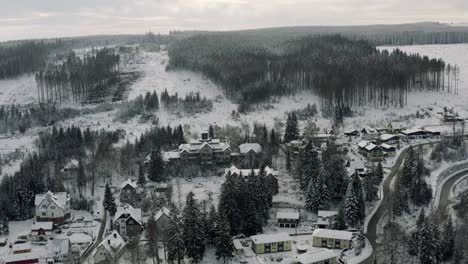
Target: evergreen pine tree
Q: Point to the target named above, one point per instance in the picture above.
(153, 250)
(193, 230)
(447, 241)
(175, 245)
(292, 129)
(428, 244)
(156, 166)
(370, 187)
(211, 132)
(222, 240)
(109, 201)
(141, 175)
(229, 204)
(340, 221)
(354, 201)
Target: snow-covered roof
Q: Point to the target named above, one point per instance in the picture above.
(170, 155)
(58, 246)
(363, 143)
(369, 130)
(371, 146)
(80, 238)
(161, 212)
(21, 247)
(246, 147)
(326, 214)
(13, 258)
(387, 147)
(196, 145)
(60, 198)
(287, 215)
(411, 131)
(72, 164)
(247, 172)
(270, 238)
(329, 233)
(237, 244)
(385, 137)
(316, 256)
(113, 243)
(130, 182)
(43, 225)
(128, 211)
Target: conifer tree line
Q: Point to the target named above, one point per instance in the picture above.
(25, 57)
(246, 202)
(431, 243)
(411, 186)
(16, 119)
(77, 79)
(341, 71)
(191, 103)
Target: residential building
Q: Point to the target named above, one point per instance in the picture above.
(321, 256)
(417, 133)
(389, 151)
(204, 151)
(42, 231)
(326, 218)
(238, 247)
(3, 241)
(334, 239)
(52, 207)
(351, 133)
(287, 219)
(369, 133)
(70, 170)
(251, 154)
(127, 221)
(370, 150)
(163, 222)
(390, 139)
(110, 249)
(59, 251)
(271, 176)
(128, 191)
(271, 243)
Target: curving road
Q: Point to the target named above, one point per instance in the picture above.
(444, 202)
(385, 206)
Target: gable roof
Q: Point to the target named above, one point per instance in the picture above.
(161, 212)
(72, 164)
(363, 143)
(385, 137)
(128, 211)
(195, 146)
(369, 130)
(287, 215)
(113, 243)
(130, 182)
(326, 214)
(329, 233)
(247, 172)
(60, 198)
(246, 147)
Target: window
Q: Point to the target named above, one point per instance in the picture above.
(52, 207)
(337, 243)
(43, 214)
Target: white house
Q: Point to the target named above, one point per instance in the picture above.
(41, 231)
(287, 219)
(127, 221)
(52, 207)
(325, 218)
(110, 249)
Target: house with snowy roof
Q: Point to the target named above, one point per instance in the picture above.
(58, 250)
(128, 191)
(110, 249)
(320, 256)
(271, 176)
(271, 243)
(251, 154)
(390, 139)
(53, 207)
(163, 223)
(70, 170)
(127, 221)
(30, 257)
(370, 150)
(369, 133)
(334, 239)
(41, 231)
(326, 218)
(287, 219)
(416, 133)
(205, 150)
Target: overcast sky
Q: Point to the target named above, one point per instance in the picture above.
(21, 19)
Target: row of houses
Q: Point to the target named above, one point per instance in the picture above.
(290, 219)
(57, 251)
(280, 242)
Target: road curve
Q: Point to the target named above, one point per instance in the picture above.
(385, 205)
(444, 202)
